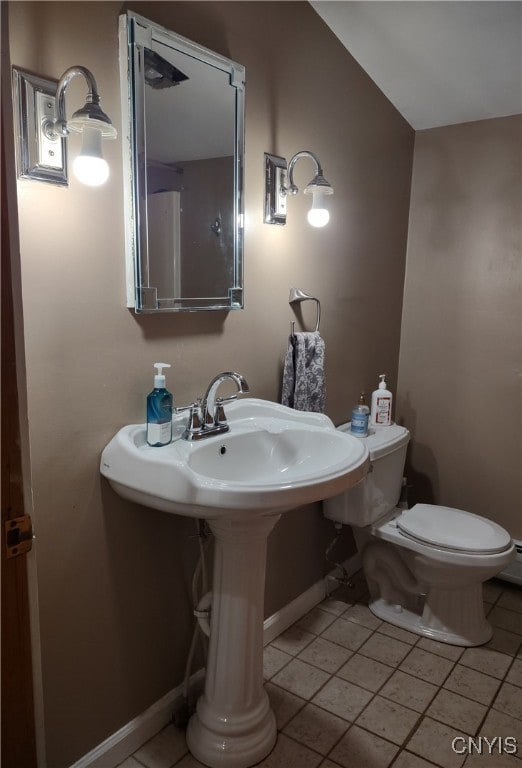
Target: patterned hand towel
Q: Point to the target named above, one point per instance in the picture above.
(303, 374)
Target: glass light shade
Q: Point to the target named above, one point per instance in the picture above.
(318, 215)
(89, 166)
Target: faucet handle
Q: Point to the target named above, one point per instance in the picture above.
(194, 419)
(220, 411)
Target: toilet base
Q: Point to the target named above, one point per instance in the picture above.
(453, 616)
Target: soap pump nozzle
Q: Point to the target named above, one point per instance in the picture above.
(159, 378)
(382, 383)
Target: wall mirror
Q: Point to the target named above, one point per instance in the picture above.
(183, 154)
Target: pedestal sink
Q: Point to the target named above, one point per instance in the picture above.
(273, 459)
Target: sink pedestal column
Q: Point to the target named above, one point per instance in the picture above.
(233, 726)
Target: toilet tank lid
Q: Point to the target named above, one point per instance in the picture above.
(382, 440)
(453, 529)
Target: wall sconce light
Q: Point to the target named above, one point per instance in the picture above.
(42, 128)
(277, 189)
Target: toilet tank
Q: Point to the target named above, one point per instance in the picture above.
(378, 492)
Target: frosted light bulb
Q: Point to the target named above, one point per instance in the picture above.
(89, 167)
(318, 215)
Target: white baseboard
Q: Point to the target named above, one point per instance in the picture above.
(292, 612)
(130, 737)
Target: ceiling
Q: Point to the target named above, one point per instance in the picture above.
(439, 63)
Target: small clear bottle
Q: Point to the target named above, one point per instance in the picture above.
(360, 418)
(160, 405)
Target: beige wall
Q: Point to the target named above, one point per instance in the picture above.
(461, 343)
(114, 578)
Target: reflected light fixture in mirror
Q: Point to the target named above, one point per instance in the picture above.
(277, 189)
(43, 128)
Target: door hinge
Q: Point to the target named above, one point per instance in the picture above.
(18, 535)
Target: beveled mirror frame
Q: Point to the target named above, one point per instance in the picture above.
(135, 34)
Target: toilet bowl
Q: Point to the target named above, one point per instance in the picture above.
(424, 566)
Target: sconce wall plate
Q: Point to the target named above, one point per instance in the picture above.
(38, 156)
(279, 183)
(275, 196)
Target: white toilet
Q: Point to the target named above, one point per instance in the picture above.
(425, 565)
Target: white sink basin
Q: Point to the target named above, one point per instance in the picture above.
(273, 458)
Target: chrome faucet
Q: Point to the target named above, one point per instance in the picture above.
(208, 417)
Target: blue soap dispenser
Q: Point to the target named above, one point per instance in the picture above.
(159, 410)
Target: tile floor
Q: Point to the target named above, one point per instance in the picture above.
(351, 691)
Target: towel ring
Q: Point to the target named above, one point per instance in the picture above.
(296, 297)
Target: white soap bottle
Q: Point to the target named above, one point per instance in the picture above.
(382, 400)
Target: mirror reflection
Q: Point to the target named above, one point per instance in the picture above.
(185, 107)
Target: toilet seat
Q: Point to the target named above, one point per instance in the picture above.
(452, 529)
